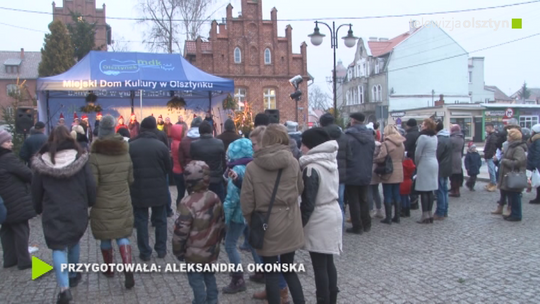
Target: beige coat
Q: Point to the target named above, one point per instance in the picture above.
(514, 159)
(375, 178)
(393, 146)
(285, 232)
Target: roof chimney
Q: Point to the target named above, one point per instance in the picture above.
(22, 53)
(412, 26)
(372, 38)
(383, 39)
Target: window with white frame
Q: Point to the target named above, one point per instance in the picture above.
(349, 73)
(267, 56)
(379, 91)
(377, 68)
(374, 93)
(361, 94)
(364, 71)
(240, 95)
(470, 76)
(237, 55)
(355, 95)
(527, 121)
(12, 88)
(269, 98)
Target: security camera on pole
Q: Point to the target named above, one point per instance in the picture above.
(295, 82)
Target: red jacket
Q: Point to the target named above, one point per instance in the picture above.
(177, 133)
(408, 172)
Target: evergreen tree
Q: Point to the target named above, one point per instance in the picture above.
(83, 35)
(524, 93)
(57, 52)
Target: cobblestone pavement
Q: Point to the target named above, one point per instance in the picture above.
(472, 257)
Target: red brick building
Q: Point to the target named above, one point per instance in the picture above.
(87, 8)
(18, 66)
(248, 50)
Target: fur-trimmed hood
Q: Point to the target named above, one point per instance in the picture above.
(66, 164)
(111, 145)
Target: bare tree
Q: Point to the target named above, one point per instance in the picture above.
(318, 100)
(194, 16)
(162, 17)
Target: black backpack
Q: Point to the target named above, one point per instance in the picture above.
(386, 167)
(500, 139)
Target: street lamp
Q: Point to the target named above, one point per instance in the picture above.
(349, 40)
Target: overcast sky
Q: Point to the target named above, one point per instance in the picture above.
(506, 66)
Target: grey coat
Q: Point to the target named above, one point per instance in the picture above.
(456, 138)
(427, 166)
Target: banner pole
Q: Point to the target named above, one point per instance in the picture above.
(141, 104)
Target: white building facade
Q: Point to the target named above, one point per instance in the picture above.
(477, 90)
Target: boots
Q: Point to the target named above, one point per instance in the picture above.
(397, 208)
(236, 285)
(426, 208)
(508, 210)
(491, 187)
(125, 252)
(333, 297)
(108, 259)
(64, 297)
(257, 277)
(379, 213)
(388, 211)
(260, 295)
(405, 212)
(498, 211)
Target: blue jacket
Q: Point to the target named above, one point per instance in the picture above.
(473, 162)
(239, 153)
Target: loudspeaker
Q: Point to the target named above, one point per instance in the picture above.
(273, 114)
(24, 120)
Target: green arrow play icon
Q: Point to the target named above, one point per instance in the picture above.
(39, 268)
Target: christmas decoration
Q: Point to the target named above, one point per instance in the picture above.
(243, 120)
(230, 103)
(90, 108)
(176, 104)
(91, 98)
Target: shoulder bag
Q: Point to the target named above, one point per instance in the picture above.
(386, 167)
(259, 222)
(516, 179)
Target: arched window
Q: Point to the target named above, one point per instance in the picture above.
(379, 89)
(237, 55)
(267, 56)
(361, 94)
(374, 93)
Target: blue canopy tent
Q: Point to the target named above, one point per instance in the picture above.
(125, 76)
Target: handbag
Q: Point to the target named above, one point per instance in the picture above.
(259, 221)
(516, 179)
(535, 179)
(386, 167)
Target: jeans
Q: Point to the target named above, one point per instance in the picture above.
(218, 189)
(234, 231)
(272, 281)
(325, 275)
(374, 195)
(159, 218)
(405, 201)
(107, 244)
(65, 256)
(391, 193)
(491, 171)
(204, 287)
(180, 187)
(514, 199)
(246, 238)
(358, 207)
(341, 200)
(442, 197)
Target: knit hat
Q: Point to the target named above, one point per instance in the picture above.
(229, 125)
(124, 132)
(39, 125)
(196, 122)
(472, 148)
(261, 119)
(291, 126)
(314, 137)
(514, 135)
(358, 116)
(197, 176)
(412, 122)
(149, 123)
(106, 126)
(326, 119)
(536, 128)
(455, 128)
(4, 136)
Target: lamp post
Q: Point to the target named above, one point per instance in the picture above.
(350, 41)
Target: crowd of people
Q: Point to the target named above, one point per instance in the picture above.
(273, 192)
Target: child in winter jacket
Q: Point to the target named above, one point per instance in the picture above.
(198, 230)
(473, 162)
(406, 186)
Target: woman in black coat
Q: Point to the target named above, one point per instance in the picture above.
(533, 157)
(15, 180)
(63, 188)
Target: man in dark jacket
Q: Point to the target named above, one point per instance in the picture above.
(490, 148)
(96, 124)
(359, 171)
(33, 143)
(411, 137)
(211, 151)
(327, 122)
(151, 164)
(444, 157)
(229, 135)
(292, 129)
